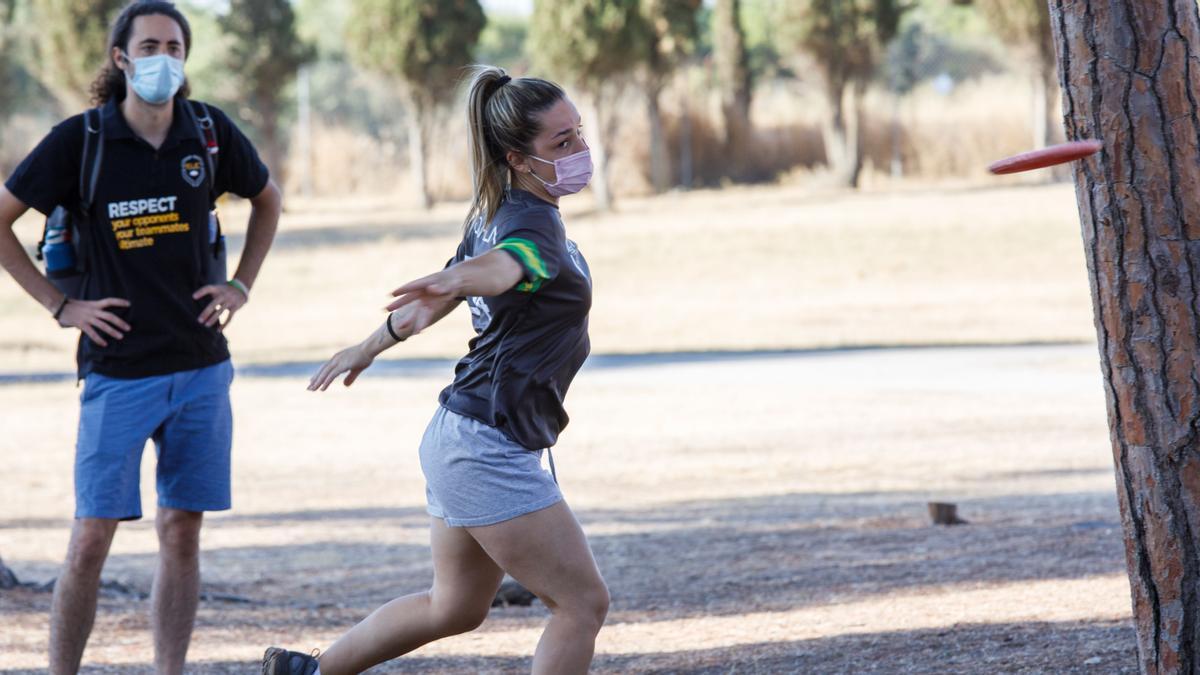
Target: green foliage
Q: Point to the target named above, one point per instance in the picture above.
(263, 50)
(940, 38)
(673, 30)
(587, 42)
(207, 75)
(7, 65)
(759, 21)
(1022, 23)
(70, 40)
(847, 38)
(423, 44)
(322, 23)
(502, 42)
(730, 55)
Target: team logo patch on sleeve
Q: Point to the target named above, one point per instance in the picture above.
(193, 170)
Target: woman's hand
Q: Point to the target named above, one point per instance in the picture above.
(427, 300)
(93, 318)
(352, 360)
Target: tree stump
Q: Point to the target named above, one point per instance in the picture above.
(942, 513)
(7, 578)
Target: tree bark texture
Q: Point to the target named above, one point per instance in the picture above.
(733, 76)
(660, 165)
(272, 144)
(841, 132)
(600, 144)
(417, 120)
(1129, 72)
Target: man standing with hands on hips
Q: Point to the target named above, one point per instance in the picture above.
(151, 307)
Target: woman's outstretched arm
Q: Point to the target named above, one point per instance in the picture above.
(354, 360)
(490, 274)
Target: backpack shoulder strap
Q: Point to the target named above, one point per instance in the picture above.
(93, 157)
(202, 120)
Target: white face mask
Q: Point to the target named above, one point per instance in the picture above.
(155, 79)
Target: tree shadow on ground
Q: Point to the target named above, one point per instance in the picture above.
(1042, 647)
(700, 558)
(720, 557)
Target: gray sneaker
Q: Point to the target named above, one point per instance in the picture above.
(278, 661)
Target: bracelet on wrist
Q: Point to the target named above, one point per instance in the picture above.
(61, 306)
(392, 331)
(240, 286)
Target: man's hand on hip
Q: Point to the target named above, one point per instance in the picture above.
(224, 299)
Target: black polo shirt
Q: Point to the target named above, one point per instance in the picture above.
(147, 232)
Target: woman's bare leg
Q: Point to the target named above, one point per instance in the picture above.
(465, 581)
(547, 552)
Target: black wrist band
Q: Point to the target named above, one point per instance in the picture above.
(391, 332)
(61, 306)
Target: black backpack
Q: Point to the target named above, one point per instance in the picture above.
(62, 226)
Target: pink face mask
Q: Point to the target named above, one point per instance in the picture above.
(573, 173)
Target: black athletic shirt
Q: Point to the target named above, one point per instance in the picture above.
(531, 340)
(148, 227)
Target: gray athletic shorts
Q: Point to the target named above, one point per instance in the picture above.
(476, 476)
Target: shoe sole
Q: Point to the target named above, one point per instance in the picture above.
(272, 658)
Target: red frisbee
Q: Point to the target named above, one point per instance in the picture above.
(1038, 159)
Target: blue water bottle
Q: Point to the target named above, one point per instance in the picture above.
(59, 248)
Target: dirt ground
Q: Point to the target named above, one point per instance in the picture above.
(752, 512)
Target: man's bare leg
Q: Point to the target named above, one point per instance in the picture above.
(73, 609)
(176, 590)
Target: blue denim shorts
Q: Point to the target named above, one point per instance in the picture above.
(477, 476)
(187, 415)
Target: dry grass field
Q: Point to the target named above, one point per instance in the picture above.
(743, 268)
(755, 495)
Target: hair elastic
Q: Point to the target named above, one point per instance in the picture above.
(61, 306)
(392, 331)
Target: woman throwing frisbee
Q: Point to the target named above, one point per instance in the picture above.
(494, 508)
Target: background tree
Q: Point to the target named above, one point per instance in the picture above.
(69, 41)
(846, 39)
(734, 82)
(422, 46)
(264, 53)
(1025, 26)
(1128, 74)
(7, 41)
(590, 46)
(673, 32)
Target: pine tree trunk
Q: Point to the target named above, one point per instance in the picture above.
(1051, 91)
(660, 167)
(272, 147)
(416, 119)
(686, 171)
(1129, 73)
(599, 144)
(843, 150)
(733, 75)
(1039, 110)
